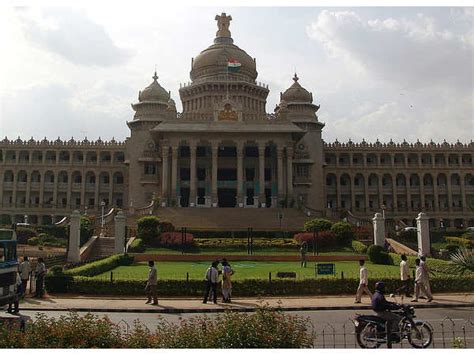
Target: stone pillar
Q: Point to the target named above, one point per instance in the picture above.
(423, 233)
(408, 191)
(450, 193)
(96, 193)
(192, 178)
(69, 191)
(435, 193)
(463, 194)
(240, 174)
(280, 172)
(394, 194)
(261, 173)
(73, 254)
(366, 192)
(352, 207)
(174, 174)
(165, 173)
(111, 185)
(28, 190)
(289, 168)
(338, 191)
(422, 192)
(120, 222)
(215, 151)
(379, 229)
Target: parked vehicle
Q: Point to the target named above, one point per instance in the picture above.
(371, 333)
(8, 265)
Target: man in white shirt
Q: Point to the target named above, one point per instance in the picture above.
(405, 276)
(25, 270)
(152, 283)
(363, 283)
(211, 279)
(40, 273)
(426, 281)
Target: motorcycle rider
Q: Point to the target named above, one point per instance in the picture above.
(383, 307)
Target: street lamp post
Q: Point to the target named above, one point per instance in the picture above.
(102, 205)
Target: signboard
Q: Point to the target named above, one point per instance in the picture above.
(325, 269)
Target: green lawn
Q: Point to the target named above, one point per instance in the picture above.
(245, 270)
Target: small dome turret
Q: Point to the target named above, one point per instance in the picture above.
(154, 92)
(296, 93)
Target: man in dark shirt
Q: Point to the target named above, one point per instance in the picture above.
(382, 307)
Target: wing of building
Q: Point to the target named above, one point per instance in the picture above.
(225, 151)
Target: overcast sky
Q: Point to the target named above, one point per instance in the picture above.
(378, 73)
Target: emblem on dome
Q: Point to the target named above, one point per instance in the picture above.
(228, 113)
(223, 22)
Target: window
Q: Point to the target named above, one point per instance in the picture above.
(302, 171)
(150, 169)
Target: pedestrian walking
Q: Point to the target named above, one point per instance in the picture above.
(227, 272)
(363, 283)
(151, 284)
(40, 272)
(303, 251)
(427, 273)
(211, 281)
(404, 276)
(420, 282)
(14, 302)
(25, 270)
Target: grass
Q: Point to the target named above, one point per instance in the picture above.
(245, 270)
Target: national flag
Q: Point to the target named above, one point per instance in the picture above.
(233, 65)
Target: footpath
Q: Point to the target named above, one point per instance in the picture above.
(81, 303)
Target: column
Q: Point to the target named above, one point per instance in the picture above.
(96, 192)
(28, 188)
(364, 156)
(73, 254)
(110, 189)
(379, 229)
(240, 173)
(423, 233)
(41, 193)
(366, 191)
(380, 190)
(394, 194)
(450, 194)
(192, 178)
(83, 189)
(165, 175)
(280, 173)
(338, 191)
(435, 193)
(120, 222)
(261, 173)
(463, 194)
(174, 174)
(352, 207)
(289, 161)
(15, 177)
(215, 151)
(408, 187)
(422, 191)
(69, 190)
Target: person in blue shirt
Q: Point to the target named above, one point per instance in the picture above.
(383, 307)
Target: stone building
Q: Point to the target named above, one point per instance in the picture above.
(225, 151)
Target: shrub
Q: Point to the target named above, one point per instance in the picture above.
(462, 242)
(468, 235)
(174, 239)
(33, 241)
(463, 261)
(56, 270)
(147, 228)
(408, 236)
(324, 239)
(378, 255)
(25, 233)
(55, 231)
(137, 246)
(239, 243)
(363, 232)
(100, 266)
(166, 227)
(343, 232)
(359, 247)
(434, 264)
(451, 248)
(317, 224)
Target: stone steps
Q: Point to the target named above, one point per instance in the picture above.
(103, 247)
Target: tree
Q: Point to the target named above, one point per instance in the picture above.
(343, 232)
(148, 228)
(317, 224)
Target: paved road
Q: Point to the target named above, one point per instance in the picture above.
(330, 326)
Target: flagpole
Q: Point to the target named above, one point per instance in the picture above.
(227, 80)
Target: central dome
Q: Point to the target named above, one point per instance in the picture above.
(212, 62)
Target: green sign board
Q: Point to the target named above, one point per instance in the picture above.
(326, 269)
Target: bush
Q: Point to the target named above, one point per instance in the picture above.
(408, 236)
(468, 235)
(434, 264)
(343, 232)
(241, 243)
(46, 240)
(378, 255)
(33, 241)
(317, 224)
(359, 247)
(324, 239)
(25, 233)
(137, 246)
(174, 239)
(166, 227)
(452, 248)
(100, 266)
(148, 228)
(363, 232)
(462, 242)
(55, 231)
(265, 328)
(56, 270)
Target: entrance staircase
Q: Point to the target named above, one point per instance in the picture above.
(103, 247)
(233, 219)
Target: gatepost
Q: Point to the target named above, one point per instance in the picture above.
(379, 229)
(423, 234)
(120, 221)
(73, 254)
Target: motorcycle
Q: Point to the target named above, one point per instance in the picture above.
(371, 333)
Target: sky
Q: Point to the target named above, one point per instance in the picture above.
(400, 73)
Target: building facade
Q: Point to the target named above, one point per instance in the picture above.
(225, 151)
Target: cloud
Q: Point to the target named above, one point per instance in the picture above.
(415, 52)
(69, 33)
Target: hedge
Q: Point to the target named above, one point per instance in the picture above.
(434, 264)
(378, 255)
(239, 234)
(137, 246)
(462, 242)
(100, 266)
(249, 287)
(359, 247)
(323, 239)
(203, 243)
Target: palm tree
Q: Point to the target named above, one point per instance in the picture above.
(463, 260)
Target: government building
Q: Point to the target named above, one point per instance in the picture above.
(225, 152)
